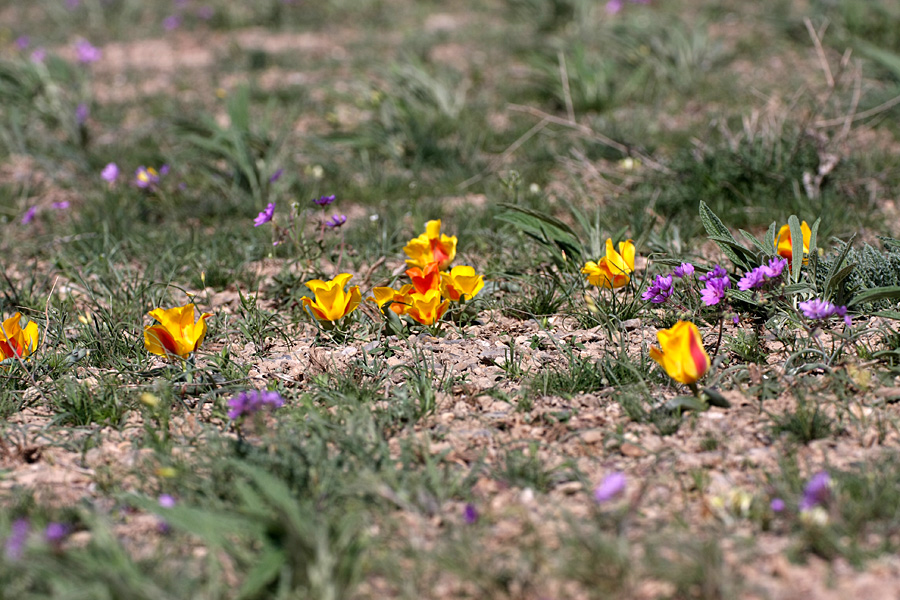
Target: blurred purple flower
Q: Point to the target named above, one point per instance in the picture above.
(685, 270)
(29, 215)
(660, 290)
(86, 52)
(250, 402)
(817, 491)
(164, 170)
(324, 200)
(55, 533)
(15, 543)
(336, 221)
(205, 13)
(73, 4)
(777, 505)
(611, 487)
(817, 309)
(276, 176)
(82, 112)
(145, 177)
(110, 172)
(38, 55)
(614, 6)
(470, 514)
(171, 22)
(265, 216)
(61, 205)
(166, 501)
(22, 42)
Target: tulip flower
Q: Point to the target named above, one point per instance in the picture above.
(427, 308)
(399, 300)
(431, 246)
(783, 243)
(612, 271)
(461, 283)
(425, 279)
(177, 334)
(682, 354)
(15, 341)
(332, 302)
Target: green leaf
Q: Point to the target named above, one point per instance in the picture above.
(687, 403)
(879, 293)
(814, 251)
(715, 398)
(264, 572)
(769, 241)
(831, 282)
(798, 288)
(796, 247)
(720, 234)
(752, 239)
(546, 229)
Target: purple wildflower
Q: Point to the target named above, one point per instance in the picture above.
(714, 291)
(82, 112)
(775, 267)
(248, 403)
(87, 52)
(146, 177)
(166, 501)
(614, 6)
(612, 486)
(205, 13)
(777, 505)
(171, 22)
(29, 215)
(55, 533)
(752, 280)
(324, 200)
(660, 290)
(110, 172)
(15, 543)
(470, 514)
(336, 221)
(61, 205)
(164, 170)
(276, 176)
(39, 55)
(73, 4)
(265, 216)
(22, 42)
(817, 491)
(685, 270)
(717, 272)
(817, 309)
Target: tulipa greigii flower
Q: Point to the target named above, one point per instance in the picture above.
(176, 334)
(15, 341)
(427, 308)
(425, 279)
(461, 283)
(431, 247)
(682, 354)
(783, 243)
(399, 300)
(332, 302)
(612, 271)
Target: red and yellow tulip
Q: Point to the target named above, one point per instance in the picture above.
(332, 302)
(682, 354)
(612, 271)
(431, 247)
(425, 279)
(461, 283)
(783, 244)
(176, 334)
(15, 341)
(427, 308)
(399, 300)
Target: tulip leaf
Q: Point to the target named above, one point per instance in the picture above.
(880, 293)
(796, 247)
(888, 314)
(715, 398)
(686, 403)
(544, 228)
(721, 235)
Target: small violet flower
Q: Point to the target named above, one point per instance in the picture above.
(15, 543)
(276, 175)
(205, 13)
(265, 216)
(61, 205)
(774, 268)
(660, 290)
(470, 514)
(166, 501)
(146, 177)
(324, 200)
(817, 491)
(777, 505)
(818, 309)
(249, 403)
(55, 533)
(38, 55)
(29, 215)
(22, 42)
(171, 22)
(87, 52)
(110, 172)
(611, 487)
(82, 112)
(685, 270)
(336, 221)
(714, 291)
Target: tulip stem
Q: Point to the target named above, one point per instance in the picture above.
(719, 341)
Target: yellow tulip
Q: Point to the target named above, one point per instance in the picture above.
(177, 334)
(784, 246)
(332, 302)
(612, 271)
(400, 301)
(682, 354)
(430, 247)
(427, 308)
(461, 282)
(15, 341)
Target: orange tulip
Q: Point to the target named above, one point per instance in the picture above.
(783, 243)
(176, 334)
(399, 300)
(427, 308)
(332, 302)
(15, 341)
(461, 282)
(431, 246)
(682, 354)
(425, 279)
(612, 271)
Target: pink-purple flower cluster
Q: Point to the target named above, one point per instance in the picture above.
(248, 403)
(760, 275)
(683, 270)
(336, 221)
(817, 491)
(660, 290)
(611, 487)
(819, 310)
(324, 200)
(265, 215)
(715, 281)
